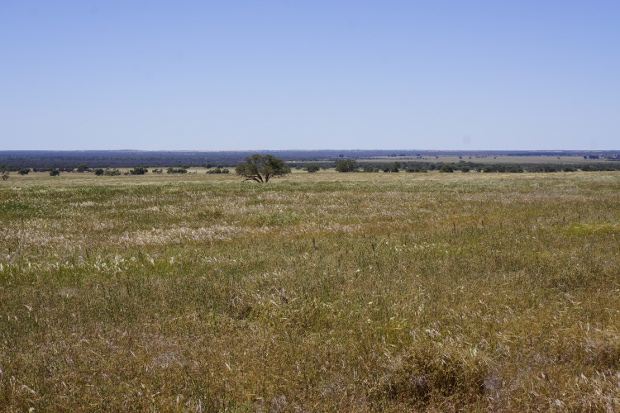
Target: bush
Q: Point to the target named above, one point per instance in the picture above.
(138, 170)
(55, 172)
(346, 165)
(543, 168)
(176, 171)
(446, 168)
(24, 171)
(392, 167)
(99, 171)
(218, 170)
(416, 167)
(312, 168)
(588, 168)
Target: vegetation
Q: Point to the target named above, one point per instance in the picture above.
(218, 170)
(346, 165)
(312, 168)
(321, 292)
(181, 170)
(138, 170)
(112, 172)
(262, 168)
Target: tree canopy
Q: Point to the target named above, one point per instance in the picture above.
(262, 168)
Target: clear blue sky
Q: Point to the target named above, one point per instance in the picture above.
(320, 74)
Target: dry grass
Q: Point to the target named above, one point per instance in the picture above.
(317, 292)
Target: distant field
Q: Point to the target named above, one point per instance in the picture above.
(500, 159)
(356, 292)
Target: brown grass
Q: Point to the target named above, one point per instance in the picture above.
(317, 292)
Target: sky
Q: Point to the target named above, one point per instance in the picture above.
(320, 74)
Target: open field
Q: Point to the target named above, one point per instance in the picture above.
(493, 159)
(315, 292)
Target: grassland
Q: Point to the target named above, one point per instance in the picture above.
(316, 292)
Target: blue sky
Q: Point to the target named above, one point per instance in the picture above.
(267, 74)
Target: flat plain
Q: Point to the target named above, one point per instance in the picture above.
(347, 292)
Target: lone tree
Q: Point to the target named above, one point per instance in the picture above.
(262, 168)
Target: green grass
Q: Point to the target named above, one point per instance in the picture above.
(316, 292)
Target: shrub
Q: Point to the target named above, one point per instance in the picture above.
(138, 170)
(588, 168)
(176, 171)
(218, 170)
(346, 165)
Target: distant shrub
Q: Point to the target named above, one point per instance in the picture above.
(370, 168)
(588, 168)
(347, 165)
(392, 167)
(24, 171)
(543, 169)
(138, 170)
(446, 168)
(312, 168)
(502, 168)
(55, 172)
(218, 170)
(99, 171)
(416, 168)
(176, 171)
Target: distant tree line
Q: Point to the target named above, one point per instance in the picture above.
(63, 160)
(351, 165)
